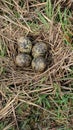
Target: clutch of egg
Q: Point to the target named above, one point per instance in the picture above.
(26, 51)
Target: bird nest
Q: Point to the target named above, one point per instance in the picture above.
(60, 59)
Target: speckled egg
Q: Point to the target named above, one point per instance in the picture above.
(39, 49)
(24, 45)
(23, 60)
(39, 64)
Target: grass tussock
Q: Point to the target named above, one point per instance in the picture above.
(27, 99)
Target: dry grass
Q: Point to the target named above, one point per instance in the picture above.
(23, 86)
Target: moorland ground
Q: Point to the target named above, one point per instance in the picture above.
(28, 100)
